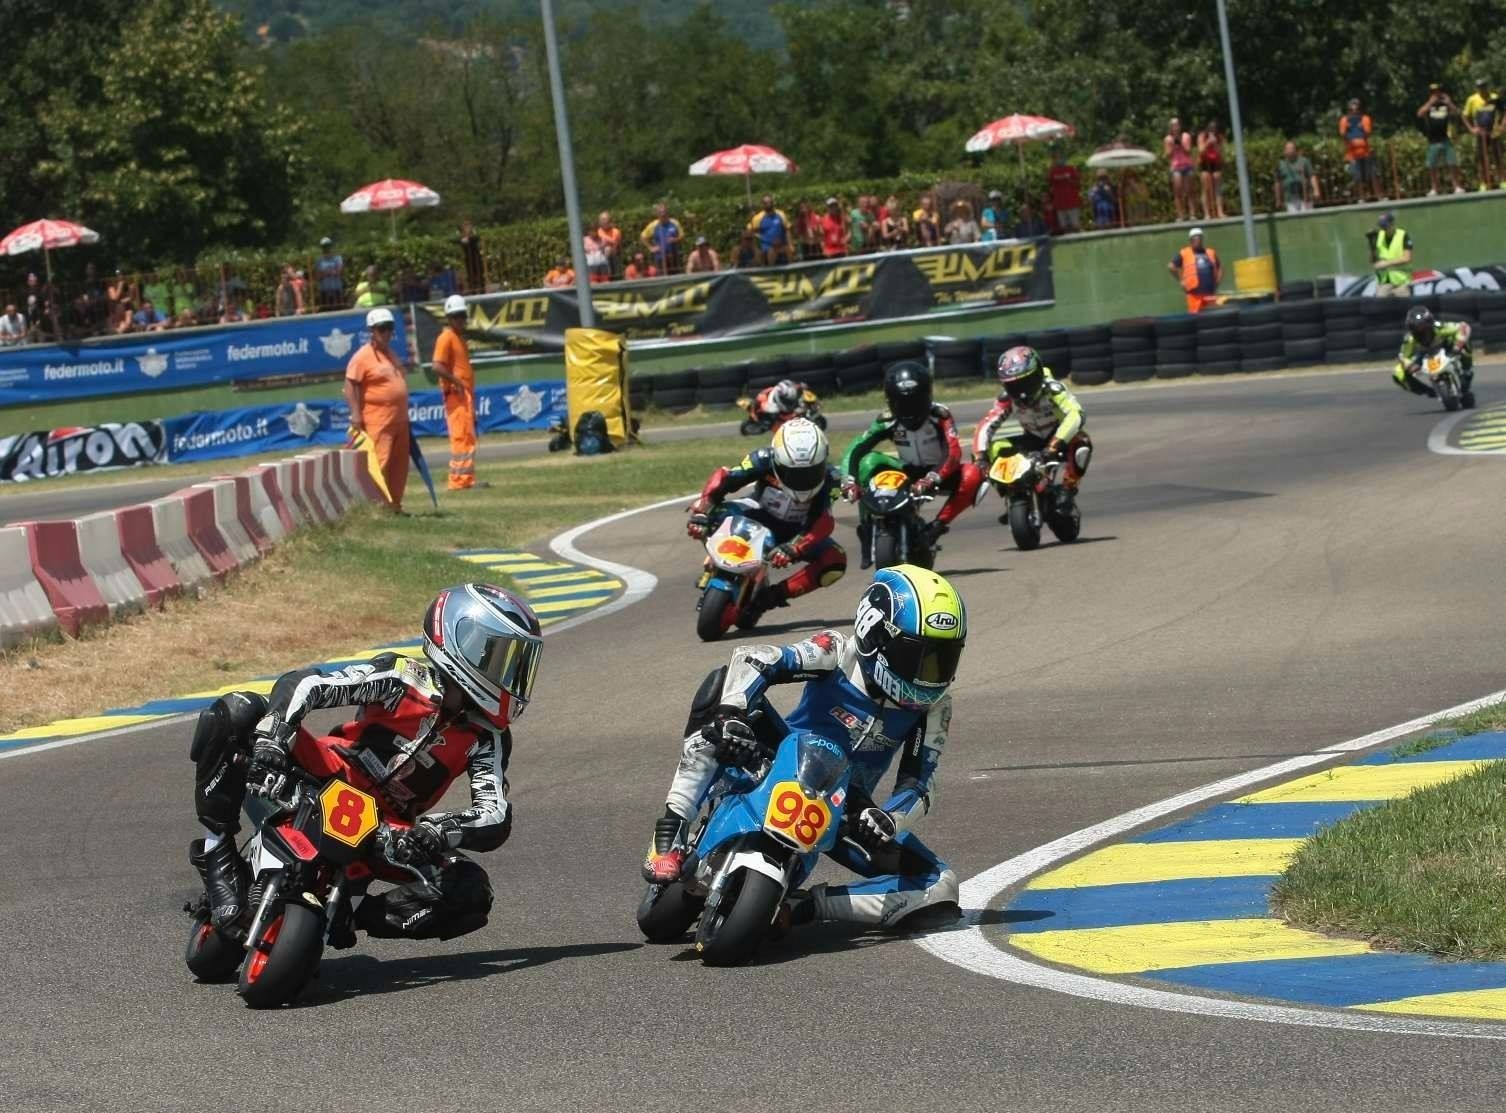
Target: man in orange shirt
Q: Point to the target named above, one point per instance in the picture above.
(561, 275)
(376, 389)
(1198, 271)
(457, 383)
(610, 238)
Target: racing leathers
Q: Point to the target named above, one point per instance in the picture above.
(902, 875)
(1051, 422)
(1452, 336)
(801, 527)
(403, 746)
(771, 410)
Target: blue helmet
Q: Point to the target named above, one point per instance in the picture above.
(910, 629)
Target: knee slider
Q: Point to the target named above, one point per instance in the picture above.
(831, 575)
(1080, 457)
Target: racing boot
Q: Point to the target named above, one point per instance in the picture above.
(226, 879)
(797, 908)
(933, 532)
(865, 542)
(665, 860)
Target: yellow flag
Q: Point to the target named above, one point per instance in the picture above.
(359, 439)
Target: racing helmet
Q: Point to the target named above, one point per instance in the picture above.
(910, 629)
(787, 394)
(487, 641)
(1421, 324)
(800, 452)
(1021, 373)
(907, 387)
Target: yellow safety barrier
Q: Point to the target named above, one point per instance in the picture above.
(1257, 274)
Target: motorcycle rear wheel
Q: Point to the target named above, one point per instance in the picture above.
(750, 428)
(211, 957)
(667, 911)
(1023, 525)
(731, 935)
(708, 621)
(1066, 526)
(887, 551)
(281, 960)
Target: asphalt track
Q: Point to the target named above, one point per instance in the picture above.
(1267, 567)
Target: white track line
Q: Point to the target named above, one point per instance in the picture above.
(637, 582)
(967, 947)
(1438, 438)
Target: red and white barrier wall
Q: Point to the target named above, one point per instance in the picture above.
(69, 575)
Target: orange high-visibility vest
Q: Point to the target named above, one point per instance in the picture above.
(1189, 267)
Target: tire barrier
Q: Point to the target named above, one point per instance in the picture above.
(1307, 327)
(87, 571)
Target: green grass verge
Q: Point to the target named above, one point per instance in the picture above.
(1423, 873)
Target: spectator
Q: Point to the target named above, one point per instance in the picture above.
(1030, 225)
(1177, 146)
(288, 298)
(156, 291)
(231, 312)
(376, 390)
(1483, 117)
(561, 275)
(371, 291)
(1437, 114)
(995, 218)
(470, 252)
(119, 289)
(410, 289)
(1105, 204)
(637, 268)
(122, 319)
(1210, 164)
(598, 266)
(703, 260)
(1066, 193)
(149, 318)
(443, 281)
(860, 230)
(962, 228)
(808, 231)
(91, 308)
(1296, 180)
(773, 229)
(329, 273)
(185, 293)
(894, 226)
(662, 237)
(1198, 271)
(927, 222)
(186, 319)
(1391, 252)
(834, 230)
(12, 327)
(747, 254)
(610, 238)
(1354, 130)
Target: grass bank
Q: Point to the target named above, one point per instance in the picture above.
(338, 589)
(1423, 873)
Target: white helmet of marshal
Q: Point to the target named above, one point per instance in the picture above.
(800, 452)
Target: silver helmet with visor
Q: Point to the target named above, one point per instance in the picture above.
(488, 641)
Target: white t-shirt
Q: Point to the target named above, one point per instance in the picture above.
(12, 328)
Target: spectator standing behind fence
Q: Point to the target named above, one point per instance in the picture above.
(1176, 144)
(1199, 272)
(1210, 166)
(638, 268)
(995, 219)
(1030, 226)
(598, 266)
(1436, 117)
(411, 288)
(457, 385)
(1354, 130)
(1483, 117)
(610, 238)
(894, 227)
(860, 230)
(470, 254)
(1066, 193)
(747, 254)
(288, 298)
(702, 259)
(808, 231)
(1296, 180)
(927, 222)
(371, 291)
(773, 230)
(833, 230)
(376, 390)
(443, 281)
(329, 276)
(12, 327)
(662, 237)
(561, 275)
(149, 318)
(1105, 205)
(962, 228)
(1391, 250)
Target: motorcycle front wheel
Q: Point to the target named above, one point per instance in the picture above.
(211, 957)
(1024, 525)
(709, 626)
(1448, 393)
(731, 934)
(281, 959)
(887, 550)
(667, 911)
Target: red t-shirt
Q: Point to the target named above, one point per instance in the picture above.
(833, 235)
(1065, 188)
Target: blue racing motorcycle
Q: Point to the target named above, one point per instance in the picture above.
(760, 833)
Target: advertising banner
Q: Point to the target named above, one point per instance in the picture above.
(931, 282)
(183, 357)
(294, 426)
(54, 452)
(1424, 282)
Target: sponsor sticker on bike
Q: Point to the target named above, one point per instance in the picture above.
(349, 814)
(794, 816)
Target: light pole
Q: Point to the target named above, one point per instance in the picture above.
(1239, 137)
(567, 170)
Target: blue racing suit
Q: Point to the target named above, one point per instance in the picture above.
(835, 704)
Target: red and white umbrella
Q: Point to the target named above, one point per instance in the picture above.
(389, 195)
(43, 236)
(1018, 130)
(749, 159)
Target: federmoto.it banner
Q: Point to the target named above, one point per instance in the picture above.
(901, 285)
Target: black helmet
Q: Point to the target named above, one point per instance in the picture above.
(1021, 373)
(1420, 324)
(907, 386)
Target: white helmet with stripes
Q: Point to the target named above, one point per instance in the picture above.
(800, 452)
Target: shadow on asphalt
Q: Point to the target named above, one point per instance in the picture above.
(367, 975)
(794, 624)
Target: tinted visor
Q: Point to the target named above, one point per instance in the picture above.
(801, 480)
(1422, 330)
(500, 657)
(1024, 387)
(923, 661)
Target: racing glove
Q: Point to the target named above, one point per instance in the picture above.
(422, 843)
(874, 825)
(733, 738)
(269, 765)
(1053, 449)
(696, 526)
(782, 556)
(850, 489)
(925, 483)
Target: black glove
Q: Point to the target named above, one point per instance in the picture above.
(269, 765)
(874, 825)
(733, 738)
(422, 843)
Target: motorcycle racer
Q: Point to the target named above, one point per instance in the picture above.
(784, 397)
(882, 691)
(792, 497)
(1424, 333)
(925, 437)
(420, 724)
(1052, 420)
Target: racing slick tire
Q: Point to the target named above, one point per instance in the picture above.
(708, 620)
(282, 959)
(730, 935)
(667, 911)
(1023, 525)
(887, 551)
(211, 957)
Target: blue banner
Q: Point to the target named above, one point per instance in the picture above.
(294, 426)
(184, 357)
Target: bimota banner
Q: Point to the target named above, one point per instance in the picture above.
(54, 452)
(1490, 277)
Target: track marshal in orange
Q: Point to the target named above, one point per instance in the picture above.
(457, 383)
(376, 388)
